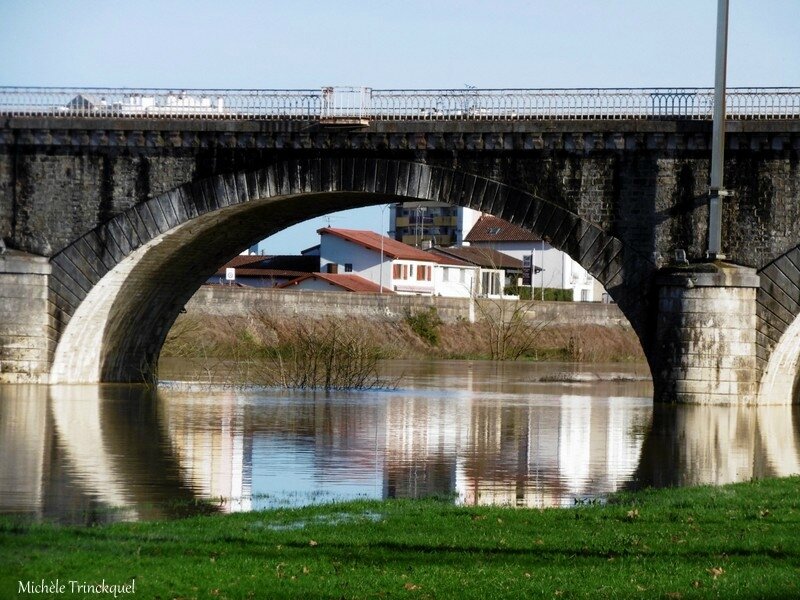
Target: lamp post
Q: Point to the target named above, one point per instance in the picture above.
(716, 189)
(380, 266)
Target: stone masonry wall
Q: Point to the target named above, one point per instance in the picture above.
(706, 337)
(24, 320)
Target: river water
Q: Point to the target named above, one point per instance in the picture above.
(517, 434)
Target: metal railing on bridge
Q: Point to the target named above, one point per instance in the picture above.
(334, 103)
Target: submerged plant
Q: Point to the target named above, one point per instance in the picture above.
(321, 356)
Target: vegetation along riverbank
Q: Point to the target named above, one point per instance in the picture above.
(421, 334)
(736, 541)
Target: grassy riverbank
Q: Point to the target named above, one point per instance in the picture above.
(254, 335)
(737, 541)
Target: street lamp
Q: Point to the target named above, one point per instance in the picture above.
(380, 266)
(717, 191)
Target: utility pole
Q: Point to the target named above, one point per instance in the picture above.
(533, 271)
(716, 190)
(380, 273)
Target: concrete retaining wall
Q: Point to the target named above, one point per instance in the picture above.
(236, 301)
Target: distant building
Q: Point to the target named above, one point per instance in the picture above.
(349, 257)
(426, 224)
(436, 224)
(400, 267)
(553, 268)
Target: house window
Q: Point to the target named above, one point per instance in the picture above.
(490, 283)
(396, 272)
(446, 274)
(584, 295)
(410, 272)
(493, 230)
(348, 267)
(424, 273)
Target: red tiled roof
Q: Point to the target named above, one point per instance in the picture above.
(443, 259)
(346, 281)
(492, 229)
(480, 256)
(266, 273)
(370, 239)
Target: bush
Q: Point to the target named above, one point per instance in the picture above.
(326, 357)
(425, 324)
(550, 294)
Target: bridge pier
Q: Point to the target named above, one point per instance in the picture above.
(25, 322)
(706, 335)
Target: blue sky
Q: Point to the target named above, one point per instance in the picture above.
(381, 44)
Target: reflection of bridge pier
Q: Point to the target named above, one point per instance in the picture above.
(215, 459)
(421, 443)
(551, 453)
(699, 445)
(26, 438)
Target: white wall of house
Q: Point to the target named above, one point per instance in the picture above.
(405, 276)
(413, 277)
(366, 262)
(363, 261)
(559, 270)
(467, 217)
(455, 281)
(579, 281)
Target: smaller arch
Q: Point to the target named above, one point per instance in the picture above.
(779, 379)
(778, 329)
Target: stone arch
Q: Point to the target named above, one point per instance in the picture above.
(778, 328)
(118, 289)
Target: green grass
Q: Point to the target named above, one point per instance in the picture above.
(738, 541)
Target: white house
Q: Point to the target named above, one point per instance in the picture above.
(350, 255)
(387, 262)
(553, 268)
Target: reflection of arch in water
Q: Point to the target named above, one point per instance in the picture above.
(110, 438)
(206, 436)
(700, 445)
(77, 415)
(778, 441)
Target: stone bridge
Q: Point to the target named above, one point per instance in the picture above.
(112, 222)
